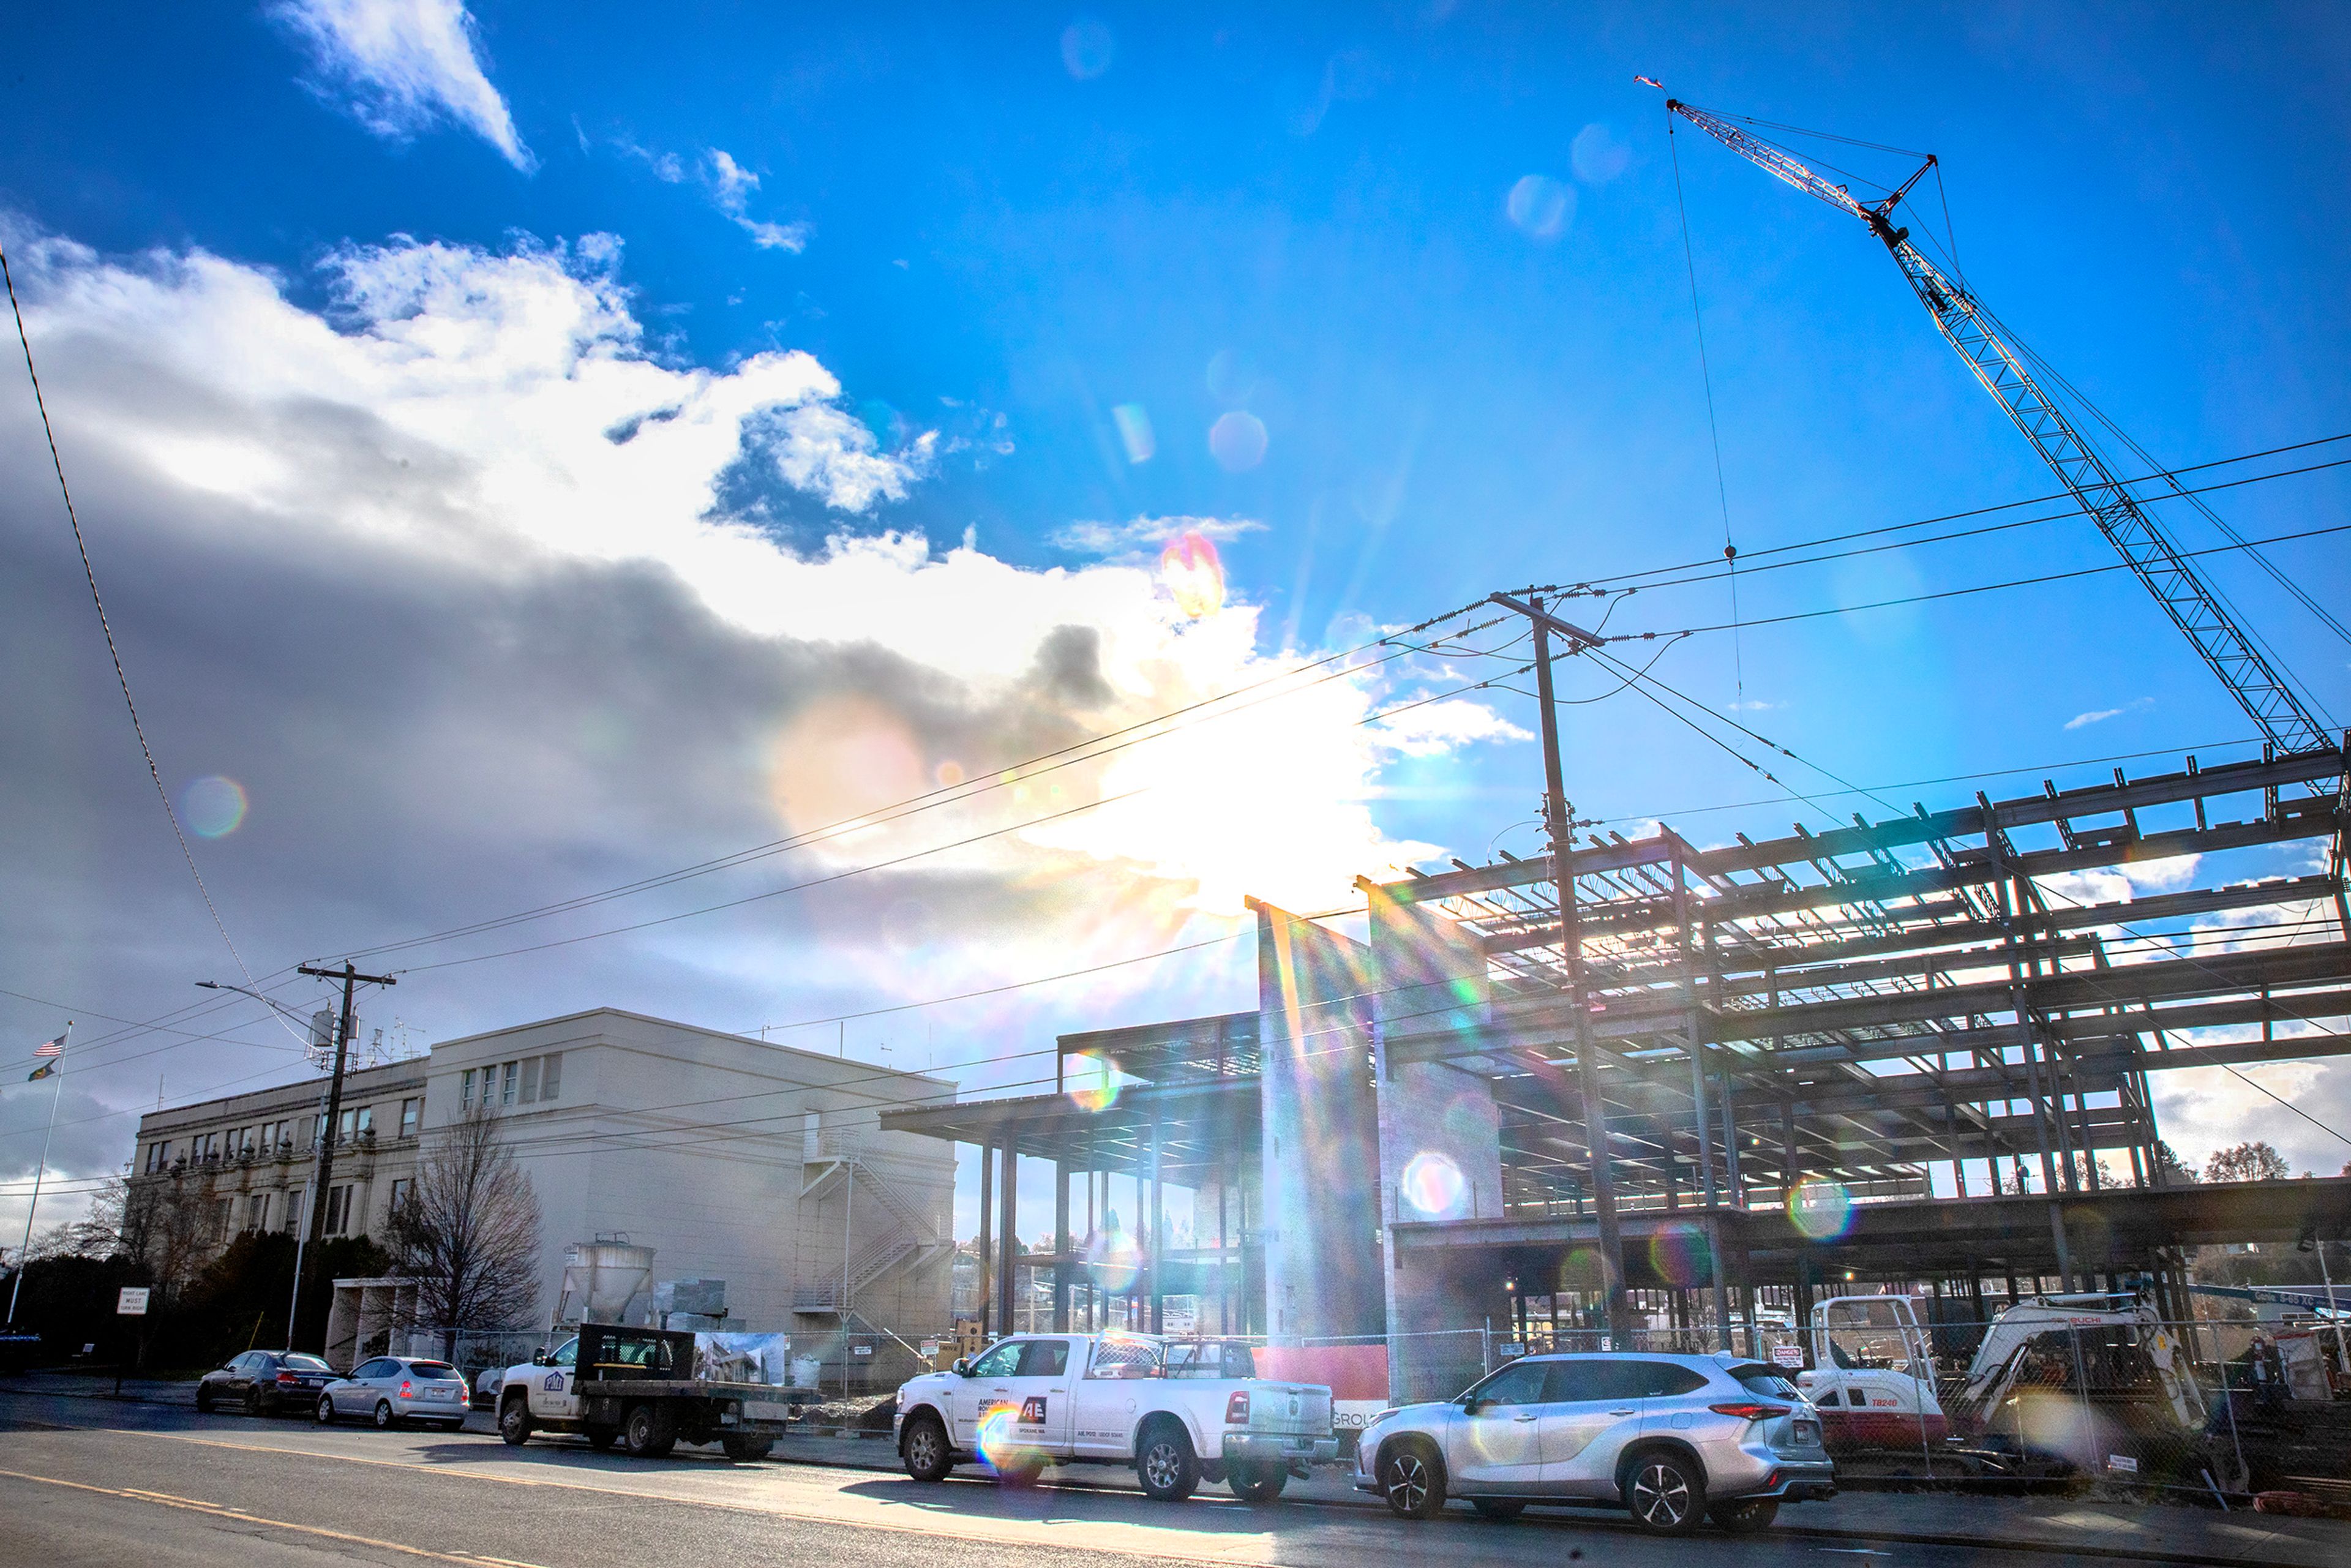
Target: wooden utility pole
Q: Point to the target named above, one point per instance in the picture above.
(315, 1228)
(1561, 833)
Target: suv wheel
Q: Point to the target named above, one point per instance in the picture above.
(1169, 1469)
(1411, 1481)
(1747, 1515)
(926, 1454)
(514, 1420)
(1665, 1493)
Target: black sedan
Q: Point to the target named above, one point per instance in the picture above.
(266, 1382)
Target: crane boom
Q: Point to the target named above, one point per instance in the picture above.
(1998, 362)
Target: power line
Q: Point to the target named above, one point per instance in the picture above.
(90, 574)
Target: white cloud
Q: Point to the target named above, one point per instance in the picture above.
(403, 64)
(499, 416)
(731, 186)
(1139, 537)
(2100, 716)
(1441, 727)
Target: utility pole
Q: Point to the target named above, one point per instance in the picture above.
(1558, 825)
(316, 1225)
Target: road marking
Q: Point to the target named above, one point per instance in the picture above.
(1253, 1550)
(221, 1510)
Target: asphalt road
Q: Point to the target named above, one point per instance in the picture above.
(91, 1482)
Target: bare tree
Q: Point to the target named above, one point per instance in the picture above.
(2255, 1161)
(468, 1231)
(170, 1223)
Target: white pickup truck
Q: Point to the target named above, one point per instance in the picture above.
(1179, 1411)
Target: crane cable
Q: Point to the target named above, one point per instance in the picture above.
(1714, 430)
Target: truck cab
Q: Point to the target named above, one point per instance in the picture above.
(639, 1388)
(1179, 1411)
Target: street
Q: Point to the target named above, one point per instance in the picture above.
(90, 1482)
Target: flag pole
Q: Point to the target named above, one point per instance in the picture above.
(24, 1253)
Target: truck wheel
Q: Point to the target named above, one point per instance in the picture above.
(747, 1450)
(1411, 1481)
(647, 1432)
(926, 1450)
(514, 1420)
(1747, 1517)
(1169, 1469)
(1257, 1483)
(601, 1439)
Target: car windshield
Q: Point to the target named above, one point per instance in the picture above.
(432, 1369)
(306, 1364)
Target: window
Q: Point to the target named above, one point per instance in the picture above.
(509, 1077)
(1595, 1379)
(551, 1076)
(569, 1354)
(297, 1212)
(1004, 1361)
(402, 1186)
(1121, 1358)
(256, 1212)
(381, 1366)
(302, 1363)
(410, 1113)
(157, 1156)
(466, 1090)
(339, 1209)
(1045, 1358)
(1522, 1383)
(1757, 1378)
(367, 1118)
(1663, 1378)
(212, 1146)
(220, 1219)
(530, 1080)
(344, 1127)
(1827, 1399)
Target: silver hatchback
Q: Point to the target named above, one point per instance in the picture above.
(1674, 1438)
(394, 1390)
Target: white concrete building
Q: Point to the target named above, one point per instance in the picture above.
(733, 1158)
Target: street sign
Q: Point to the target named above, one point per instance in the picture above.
(130, 1302)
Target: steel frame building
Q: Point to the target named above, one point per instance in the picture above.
(1944, 1017)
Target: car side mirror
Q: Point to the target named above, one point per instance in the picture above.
(962, 1367)
(1471, 1404)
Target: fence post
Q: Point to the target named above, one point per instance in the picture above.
(1486, 1347)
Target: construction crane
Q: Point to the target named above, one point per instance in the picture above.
(1999, 362)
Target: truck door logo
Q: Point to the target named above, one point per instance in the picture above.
(554, 1384)
(1032, 1411)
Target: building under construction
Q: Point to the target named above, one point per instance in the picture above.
(1676, 1083)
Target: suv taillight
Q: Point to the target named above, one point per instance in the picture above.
(1750, 1412)
(1237, 1408)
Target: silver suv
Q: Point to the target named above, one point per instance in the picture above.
(1672, 1438)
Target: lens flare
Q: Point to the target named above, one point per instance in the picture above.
(996, 1437)
(1680, 1256)
(1232, 376)
(1541, 207)
(213, 807)
(1087, 48)
(1597, 156)
(1432, 1184)
(1820, 1208)
(1237, 441)
(1088, 1081)
(1134, 424)
(1194, 576)
(1114, 1259)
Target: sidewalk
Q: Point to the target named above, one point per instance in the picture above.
(2069, 1527)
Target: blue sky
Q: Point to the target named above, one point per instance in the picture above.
(988, 232)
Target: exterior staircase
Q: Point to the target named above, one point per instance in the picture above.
(909, 1239)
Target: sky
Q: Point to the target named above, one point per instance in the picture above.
(528, 451)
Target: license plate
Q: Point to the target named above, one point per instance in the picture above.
(437, 1394)
(1808, 1433)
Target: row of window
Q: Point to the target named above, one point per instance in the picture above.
(528, 1080)
(269, 1137)
(254, 1210)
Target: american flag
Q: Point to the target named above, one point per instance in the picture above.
(52, 1048)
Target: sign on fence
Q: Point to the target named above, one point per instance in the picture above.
(130, 1302)
(1787, 1355)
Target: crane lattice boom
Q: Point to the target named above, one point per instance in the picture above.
(1998, 362)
